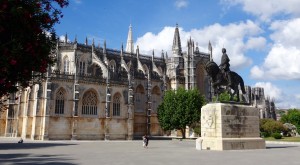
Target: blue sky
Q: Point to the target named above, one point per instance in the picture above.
(261, 36)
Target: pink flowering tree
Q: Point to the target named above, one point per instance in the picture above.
(27, 37)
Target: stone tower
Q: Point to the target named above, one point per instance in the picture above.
(175, 63)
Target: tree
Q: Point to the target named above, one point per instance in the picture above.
(293, 117)
(179, 109)
(27, 37)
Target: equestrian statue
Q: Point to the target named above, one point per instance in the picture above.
(223, 79)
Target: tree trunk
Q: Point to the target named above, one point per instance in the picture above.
(183, 132)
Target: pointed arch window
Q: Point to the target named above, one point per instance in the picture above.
(140, 99)
(89, 104)
(81, 67)
(116, 106)
(60, 102)
(66, 65)
(112, 66)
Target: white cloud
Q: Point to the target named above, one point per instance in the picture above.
(235, 37)
(266, 9)
(281, 99)
(282, 61)
(179, 4)
(289, 102)
(257, 73)
(161, 41)
(257, 43)
(62, 38)
(286, 32)
(270, 90)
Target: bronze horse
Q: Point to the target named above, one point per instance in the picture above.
(219, 79)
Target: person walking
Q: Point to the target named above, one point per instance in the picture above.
(145, 141)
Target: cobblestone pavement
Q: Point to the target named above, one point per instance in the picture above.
(160, 152)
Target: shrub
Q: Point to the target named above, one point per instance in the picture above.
(271, 126)
(265, 134)
(276, 135)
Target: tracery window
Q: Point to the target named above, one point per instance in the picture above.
(140, 99)
(155, 98)
(66, 65)
(89, 104)
(81, 67)
(60, 102)
(112, 66)
(116, 106)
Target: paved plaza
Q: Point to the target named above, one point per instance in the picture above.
(160, 152)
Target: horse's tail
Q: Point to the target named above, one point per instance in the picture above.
(242, 85)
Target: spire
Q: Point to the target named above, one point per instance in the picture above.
(210, 51)
(57, 42)
(137, 51)
(197, 48)
(104, 47)
(129, 45)
(162, 54)
(104, 53)
(93, 45)
(86, 41)
(66, 38)
(152, 54)
(176, 48)
(75, 40)
(122, 51)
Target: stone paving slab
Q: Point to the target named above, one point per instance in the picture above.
(160, 152)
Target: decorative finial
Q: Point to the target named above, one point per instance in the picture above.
(137, 51)
(86, 41)
(75, 40)
(66, 38)
(152, 54)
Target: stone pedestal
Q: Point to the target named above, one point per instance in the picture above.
(226, 126)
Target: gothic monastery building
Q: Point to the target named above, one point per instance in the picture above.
(97, 93)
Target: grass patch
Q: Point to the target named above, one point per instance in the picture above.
(284, 139)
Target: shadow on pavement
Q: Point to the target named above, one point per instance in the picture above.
(279, 147)
(33, 159)
(13, 146)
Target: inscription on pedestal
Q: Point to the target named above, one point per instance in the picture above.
(237, 145)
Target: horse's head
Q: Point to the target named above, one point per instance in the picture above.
(212, 68)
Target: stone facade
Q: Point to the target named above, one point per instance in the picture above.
(265, 105)
(96, 93)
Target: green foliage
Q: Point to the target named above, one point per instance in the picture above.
(27, 37)
(179, 109)
(225, 96)
(270, 126)
(265, 134)
(196, 128)
(293, 117)
(276, 135)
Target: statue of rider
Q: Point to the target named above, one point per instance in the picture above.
(224, 66)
